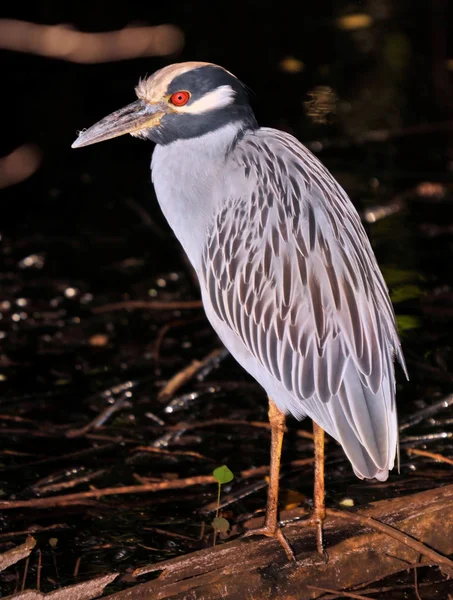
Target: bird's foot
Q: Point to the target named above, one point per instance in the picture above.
(316, 520)
(277, 533)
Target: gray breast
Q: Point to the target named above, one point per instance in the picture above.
(187, 176)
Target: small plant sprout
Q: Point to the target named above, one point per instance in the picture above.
(221, 475)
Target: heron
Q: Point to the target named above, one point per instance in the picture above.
(288, 278)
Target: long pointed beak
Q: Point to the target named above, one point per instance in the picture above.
(130, 119)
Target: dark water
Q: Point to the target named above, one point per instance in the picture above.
(85, 231)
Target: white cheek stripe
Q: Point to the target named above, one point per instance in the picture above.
(218, 98)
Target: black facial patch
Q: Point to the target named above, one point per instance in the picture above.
(178, 126)
(203, 80)
(199, 82)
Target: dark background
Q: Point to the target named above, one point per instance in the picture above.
(374, 102)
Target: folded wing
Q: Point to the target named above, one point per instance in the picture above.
(290, 270)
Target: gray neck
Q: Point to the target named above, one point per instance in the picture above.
(187, 176)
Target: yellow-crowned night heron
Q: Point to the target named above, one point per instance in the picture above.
(288, 277)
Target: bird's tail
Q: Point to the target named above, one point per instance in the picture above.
(364, 423)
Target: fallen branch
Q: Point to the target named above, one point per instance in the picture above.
(437, 558)
(257, 567)
(80, 591)
(82, 497)
(16, 554)
(67, 499)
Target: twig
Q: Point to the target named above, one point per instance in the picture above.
(416, 582)
(147, 305)
(68, 499)
(71, 456)
(54, 559)
(363, 587)
(171, 534)
(100, 419)
(15, 418)
(433, 455)
(33, 529)
(234, 422)
(170, 452)
(38, 571)
(343, 593)
(394, 533)
(181, 378)
(162, 333)
(380, 590)
(24, 578)
(77, 567)
(432, 409)
(64, 485)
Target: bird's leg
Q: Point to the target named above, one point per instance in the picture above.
(319, 508)
(271, 527)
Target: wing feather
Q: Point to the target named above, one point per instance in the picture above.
(289, 269)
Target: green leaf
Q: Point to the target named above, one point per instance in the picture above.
(394, 276)
(221, 524)
(405, 292)
(407, 322)
(223, 474)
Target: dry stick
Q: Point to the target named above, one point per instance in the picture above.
(416, 584)
(32, 529)
(77, 567)
(64, 485)
(101, 418)
(154, 450)
(394, 533)
(180, 536)
(432, 409)
(147, 305)
(24, 578)
(67, 499)
(363, 587)
(162, 333)
(38, 571)
(343, 593)
(433, 455)
(10, 557)
(182, 377)
(210, 422)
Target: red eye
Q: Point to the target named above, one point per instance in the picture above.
(180, 98)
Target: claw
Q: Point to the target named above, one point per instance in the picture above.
(316, 521)
(274, 533)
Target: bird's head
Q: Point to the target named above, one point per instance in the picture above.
(181, 101)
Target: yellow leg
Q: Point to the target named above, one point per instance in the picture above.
(271, 527)
(319, 508)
